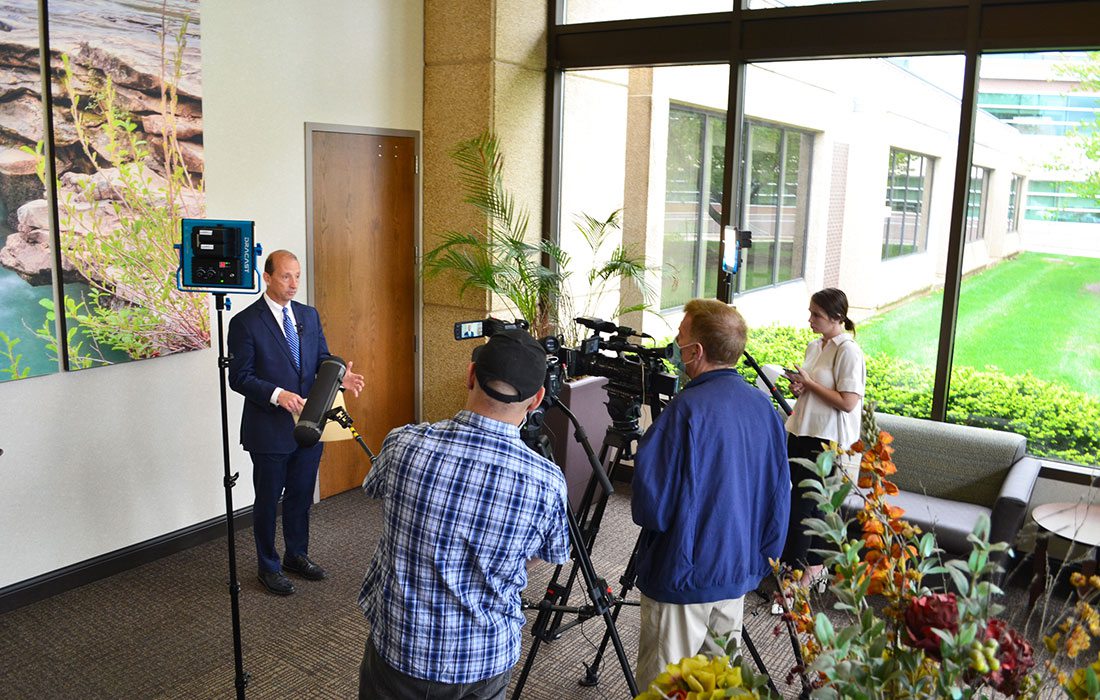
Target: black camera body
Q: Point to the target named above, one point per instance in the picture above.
(635, 374)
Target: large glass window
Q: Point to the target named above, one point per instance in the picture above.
(975, 205)
(908, 194)
(776, 178)
(1029, 311)
(824, 140)
(1015, 195)
(651, 142)
(693, 203)
(859, 127)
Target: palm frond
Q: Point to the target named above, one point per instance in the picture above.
(594, 230)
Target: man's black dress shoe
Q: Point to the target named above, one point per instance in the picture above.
(276, 582)
(304, 567)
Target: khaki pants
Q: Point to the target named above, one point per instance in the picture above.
(671, 632)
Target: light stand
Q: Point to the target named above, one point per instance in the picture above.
(229, 481)
(221, 255)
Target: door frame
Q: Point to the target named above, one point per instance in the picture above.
(418, 215)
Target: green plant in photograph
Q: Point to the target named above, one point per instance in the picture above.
(119, 226)
(79, 356)
(531, 277)
(7, 351)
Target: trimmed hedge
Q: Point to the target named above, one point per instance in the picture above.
(1059, 422)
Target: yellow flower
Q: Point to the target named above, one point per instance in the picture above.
(1077, 642)
(1052, 641)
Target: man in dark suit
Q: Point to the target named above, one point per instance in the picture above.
(275, 346)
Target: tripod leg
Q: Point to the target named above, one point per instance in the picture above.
(540, 630)
(592, 671)
(756, 658)
(599, 594)
(610, 455)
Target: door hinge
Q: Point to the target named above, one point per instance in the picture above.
(416, 345)
(416, 164)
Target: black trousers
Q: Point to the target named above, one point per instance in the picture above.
(380, 681)
(797, 552)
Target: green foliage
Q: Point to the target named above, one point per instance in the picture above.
(866, 651)
(13, 370)
(530, 277)
(776, 345)
(80, 357)
(1058, 422)
(1086, 138)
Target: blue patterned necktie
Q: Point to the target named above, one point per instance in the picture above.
(291, 338)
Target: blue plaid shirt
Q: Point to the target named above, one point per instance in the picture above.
(465, 505)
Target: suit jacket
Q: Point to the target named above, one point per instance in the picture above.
(259, 361)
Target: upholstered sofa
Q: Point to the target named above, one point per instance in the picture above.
(950, 475)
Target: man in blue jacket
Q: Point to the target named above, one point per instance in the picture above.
(275, 347)
(711, 493)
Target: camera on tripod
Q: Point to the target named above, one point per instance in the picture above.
(635, 374)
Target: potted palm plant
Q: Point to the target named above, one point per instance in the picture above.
(535, 280)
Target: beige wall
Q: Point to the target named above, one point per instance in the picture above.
(483, 69)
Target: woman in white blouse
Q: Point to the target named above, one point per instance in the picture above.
(829, 386)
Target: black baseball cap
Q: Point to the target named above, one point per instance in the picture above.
(512, 357)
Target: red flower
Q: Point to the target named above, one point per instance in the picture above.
(937, 611)
(1013, 652)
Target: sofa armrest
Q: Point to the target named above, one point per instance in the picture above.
(1011, 506)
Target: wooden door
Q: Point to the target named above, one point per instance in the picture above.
(363, 267)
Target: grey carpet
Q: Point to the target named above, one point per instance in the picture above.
(163, 630)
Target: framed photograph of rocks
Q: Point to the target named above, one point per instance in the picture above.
(128, 159)
(26, 268)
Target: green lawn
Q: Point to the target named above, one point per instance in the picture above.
(1036, 312)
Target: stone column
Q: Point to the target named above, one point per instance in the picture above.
(484, 69)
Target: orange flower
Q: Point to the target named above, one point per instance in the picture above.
(872, 526)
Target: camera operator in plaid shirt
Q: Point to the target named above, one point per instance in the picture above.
(465, 505)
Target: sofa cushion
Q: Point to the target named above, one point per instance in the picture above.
(951, 462)
(950, 521)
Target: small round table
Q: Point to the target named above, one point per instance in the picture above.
(1077, 522)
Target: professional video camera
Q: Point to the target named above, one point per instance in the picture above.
(555, 370)
(635, 374)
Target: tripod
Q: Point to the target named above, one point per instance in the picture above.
(619, 445)
(229, 481)
(552, 607)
